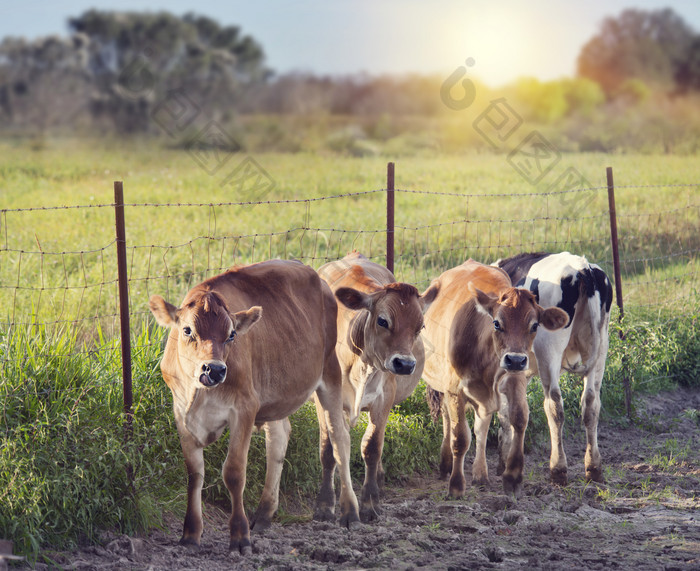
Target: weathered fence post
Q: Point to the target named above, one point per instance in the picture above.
(390, 217)
(613, 238)
(123, 300)
(626, 385)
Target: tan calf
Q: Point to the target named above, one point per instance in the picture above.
(381, 356)
(478, 333)
(247, 348)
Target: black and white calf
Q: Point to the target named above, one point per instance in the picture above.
(584, 291)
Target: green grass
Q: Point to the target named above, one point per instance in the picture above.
(63, 455)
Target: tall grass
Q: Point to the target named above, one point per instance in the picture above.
(62, 459)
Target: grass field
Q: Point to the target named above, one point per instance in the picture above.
(66, 471)
(433, 231)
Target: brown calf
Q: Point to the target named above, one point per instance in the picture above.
(247, 348)
(381, 356)
(479, 333)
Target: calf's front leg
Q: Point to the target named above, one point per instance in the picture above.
(194, 463)
(372, 448)
(514, 414)
(234, 473)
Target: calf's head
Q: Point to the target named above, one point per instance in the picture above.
(393, 324)
(206, 331)
(515, 317)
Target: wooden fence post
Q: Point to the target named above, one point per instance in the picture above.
(123, 301)
(390, 217)
(613, 239)
(626, 385)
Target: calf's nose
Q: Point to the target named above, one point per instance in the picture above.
(514, 361)
(216, 372)
(403, 365)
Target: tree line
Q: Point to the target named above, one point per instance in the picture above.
(113, 69)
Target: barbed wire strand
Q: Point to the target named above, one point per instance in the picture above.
(423, 250)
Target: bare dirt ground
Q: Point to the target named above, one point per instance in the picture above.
(646, 516)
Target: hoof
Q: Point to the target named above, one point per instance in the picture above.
(351, 520)
(189, 542)
(559, 476)
(595, 475)
(512, 487)
(241, 546)
(481, 483)
(457, 486)
(260, 523)
(324, 514)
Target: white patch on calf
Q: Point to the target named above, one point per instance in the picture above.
(368, 384)
(550, 271)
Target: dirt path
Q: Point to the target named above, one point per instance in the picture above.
(647, 516)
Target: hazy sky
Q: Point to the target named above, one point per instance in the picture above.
(505, 38)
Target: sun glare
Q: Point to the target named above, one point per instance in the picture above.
(506, 44)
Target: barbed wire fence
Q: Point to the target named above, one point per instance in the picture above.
(423, 233)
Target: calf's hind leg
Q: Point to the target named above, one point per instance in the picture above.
(554, 409)
(325, 501)
(460, 440)
(480, 471)
(333, 427)
(590, 411)
(276, 440)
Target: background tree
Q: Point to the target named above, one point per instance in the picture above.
(648, 46)
(44, 83)
(137, 58)
(688, 72)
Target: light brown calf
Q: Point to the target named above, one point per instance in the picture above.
(381, 356)
(247, 348)
(478, 334)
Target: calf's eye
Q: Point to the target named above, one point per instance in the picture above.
(534, 327)
(382, 322)
(187, 331)
(231, 336)
(497, 325)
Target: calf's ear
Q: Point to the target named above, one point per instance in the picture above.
(164, 312)
(352, 298)
(244, 320)
(553, 318)
(429, 295)
(484, 301)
